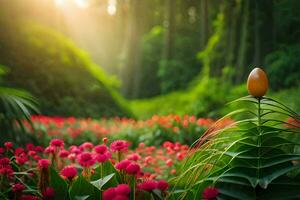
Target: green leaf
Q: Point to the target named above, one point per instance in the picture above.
(59, 185)
(101, 182)
(81, 197)
(81, 187)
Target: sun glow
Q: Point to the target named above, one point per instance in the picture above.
(78, 3)
(112, 7)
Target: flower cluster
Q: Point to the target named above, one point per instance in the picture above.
(146, 166)
(185, 129)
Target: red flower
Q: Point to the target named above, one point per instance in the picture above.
(134, 157)
(43, 163)
(39, 149)
(58, 143)
(100, 149)
(86, 159)
(87, 145)
(162, 185)
(50, 149)
(48, 193)
(69, 172)
(18, 151)
(123, 164)
(21, 159)
(103, 157)
(210, 193)
(169, 162)
(119, 145)
(63, 153)
(122, 189)
(133, 168)
(148, 185)
(120, 197)
(109, 194)
(4, 162)
(8, 145)
(18, 187)
(2, 150)
(30, 147)
(105, 140)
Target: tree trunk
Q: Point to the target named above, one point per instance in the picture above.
(204, 23)
(131, 50)
(241, 59)
(257, 40)
(169, 24)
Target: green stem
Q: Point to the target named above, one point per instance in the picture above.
(133, 187)
(101, 168)
(259, 134)
(119, 156)
(259, 122)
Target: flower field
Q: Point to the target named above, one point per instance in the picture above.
(153, 131)
(89, 159)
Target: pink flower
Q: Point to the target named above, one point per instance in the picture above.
(86, 159)
(121, 192)
(148, 185)
(43, 163)
(39, 149)
(57, 143)
(31, 153)
(30, 147)
(18, 187)
(2, 150)
(103, 157)
(210, 193)
(69, 172)
(21, 159)
(74, 149)
(63, 153)
(162, 185)
(8, 145)
(109, 194)
(7, 170)
(134, 157)
(133, 168)
(49, 149)
(86, 145)
(120, 197)
(123, 189)
(48, 193)
(100, 149)
(4, 162)
(119, 145)
(18, 151)
(123, 164)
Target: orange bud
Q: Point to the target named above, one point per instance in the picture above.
(257, 83)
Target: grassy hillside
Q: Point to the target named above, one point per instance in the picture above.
(207, 98)
(62, 76)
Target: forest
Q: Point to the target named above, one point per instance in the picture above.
(124, 99)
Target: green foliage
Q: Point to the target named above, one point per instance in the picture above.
(284, 61)
(64, 78)
(59, 185)
(254, 159)
(151, 48)
(290, 96)
(203, 98)
(15, 108)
